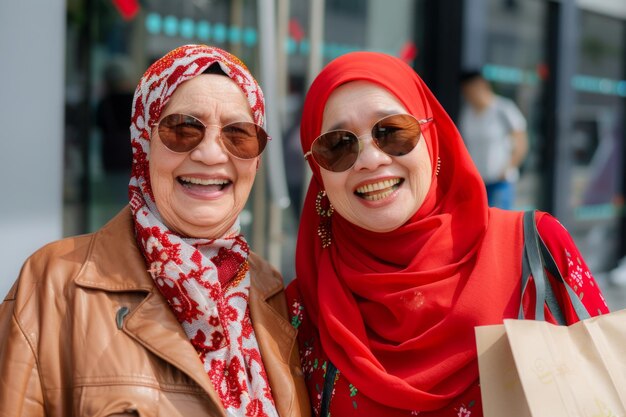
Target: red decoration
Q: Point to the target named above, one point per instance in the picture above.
(408, 52)
(128, 9)
(295, 30)
(543, 71)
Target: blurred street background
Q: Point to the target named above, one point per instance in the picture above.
(69, 68)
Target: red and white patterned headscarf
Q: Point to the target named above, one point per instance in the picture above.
(205, 281)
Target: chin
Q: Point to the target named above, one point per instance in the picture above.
(387, 230)
(204, 224)
(386, 220)
(382, 226)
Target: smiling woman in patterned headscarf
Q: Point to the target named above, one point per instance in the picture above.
(164, 311)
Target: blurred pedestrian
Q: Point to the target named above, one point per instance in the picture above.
(164, 311)
(398, 255)
(494, 131)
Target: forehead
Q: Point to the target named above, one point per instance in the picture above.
(359, 101)
(207, 89)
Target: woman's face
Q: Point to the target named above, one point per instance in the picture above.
(200, 193)
(400, 183)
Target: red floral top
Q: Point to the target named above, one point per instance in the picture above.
(346, 400)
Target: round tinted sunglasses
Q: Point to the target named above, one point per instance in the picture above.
(395, 135)
(183, 133)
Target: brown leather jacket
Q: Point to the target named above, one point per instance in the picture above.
(66, 349)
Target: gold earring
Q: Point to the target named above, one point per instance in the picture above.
(324, 228)
(438, 166)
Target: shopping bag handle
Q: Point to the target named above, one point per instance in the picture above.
(329, 383)
(536, 258)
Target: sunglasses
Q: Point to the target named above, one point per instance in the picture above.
(183, 133)
(395, 135)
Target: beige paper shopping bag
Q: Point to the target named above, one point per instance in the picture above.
(501, 389)
(577, 370)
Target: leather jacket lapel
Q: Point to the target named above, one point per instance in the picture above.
(154, 326)
(275, 335)
(152, 323)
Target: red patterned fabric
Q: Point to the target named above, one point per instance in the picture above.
(205, 281)
(396, 311)
(348, 400)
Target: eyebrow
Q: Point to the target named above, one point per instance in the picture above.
(225, 118)
(379, 115)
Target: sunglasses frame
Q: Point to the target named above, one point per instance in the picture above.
(221, 139)
(420, 122)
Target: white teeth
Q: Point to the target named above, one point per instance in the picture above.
(381, 185)
(201, 181)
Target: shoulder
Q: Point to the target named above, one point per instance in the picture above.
(293, 290)
(50, 268)
(511, 111)
(551, 230)
(51, 272)
(264, 276)
(45, 278)
(558, 241)
(505, 220)
(504, 102)
(267, 283)
(571, 266)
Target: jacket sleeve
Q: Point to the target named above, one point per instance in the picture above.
(20, 387)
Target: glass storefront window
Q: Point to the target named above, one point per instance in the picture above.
(596, 150)
(108, 54)
(516, 35)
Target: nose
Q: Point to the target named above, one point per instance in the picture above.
(370, 157)
(211, 150)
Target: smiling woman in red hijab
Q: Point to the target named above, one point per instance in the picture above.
(399, 256)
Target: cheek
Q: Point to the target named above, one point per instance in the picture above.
(246, 173)
(420, 171)
(161, 173)
(335, 186)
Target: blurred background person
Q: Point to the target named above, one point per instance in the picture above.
(494, 131)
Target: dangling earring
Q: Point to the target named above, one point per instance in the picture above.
(438, 166)
(325, 213)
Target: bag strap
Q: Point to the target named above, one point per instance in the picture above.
(329, 382)
(536, 258)
(550, 264)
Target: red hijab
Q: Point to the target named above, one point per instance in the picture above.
(396, 311)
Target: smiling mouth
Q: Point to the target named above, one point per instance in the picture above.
(378, 190)
(212, 184)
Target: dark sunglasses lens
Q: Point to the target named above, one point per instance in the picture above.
(336, 151)
(180, 133)
(397, 135)
(244, 140)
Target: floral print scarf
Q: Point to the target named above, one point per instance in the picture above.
(205, 281)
